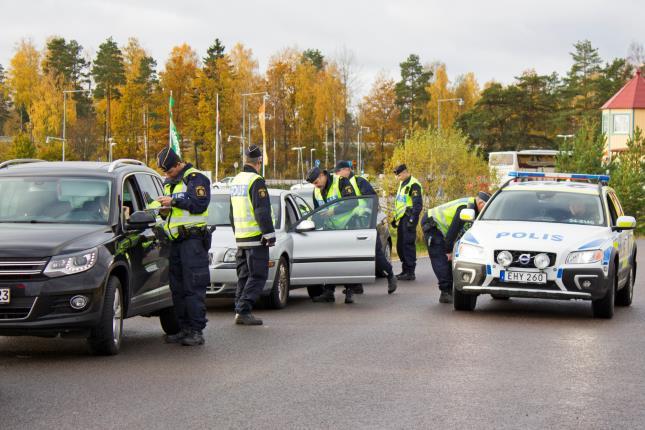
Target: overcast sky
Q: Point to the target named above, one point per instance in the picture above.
(495, 39)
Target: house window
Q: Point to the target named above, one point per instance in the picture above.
(621, 123)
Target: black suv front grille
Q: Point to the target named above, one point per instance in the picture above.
(17, 309)
(21, 268)
(531, 254)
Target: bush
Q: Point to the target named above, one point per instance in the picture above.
(583, 154)
(628, 179)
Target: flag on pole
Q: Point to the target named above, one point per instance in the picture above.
(261, 118)
(173, 135)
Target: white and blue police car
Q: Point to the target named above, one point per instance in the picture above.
(550, 236)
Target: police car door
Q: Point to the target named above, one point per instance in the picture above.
(336, 243)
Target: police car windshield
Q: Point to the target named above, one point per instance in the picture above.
(220, 208)
(545, 206)
(55, 200)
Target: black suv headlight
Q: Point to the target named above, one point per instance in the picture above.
(71, 264)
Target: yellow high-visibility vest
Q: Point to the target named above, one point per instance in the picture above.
(403, 199)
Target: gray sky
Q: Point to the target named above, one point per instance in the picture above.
(495, 39)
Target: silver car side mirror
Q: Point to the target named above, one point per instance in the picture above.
(306, 225)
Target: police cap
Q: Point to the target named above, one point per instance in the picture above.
(253, 151)
(343, 164)
(400, 168)
(167, 159)
(313, 174)
(483, 195)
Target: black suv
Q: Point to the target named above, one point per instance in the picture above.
(78, 252)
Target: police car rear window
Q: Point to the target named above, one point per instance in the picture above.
(546, 206)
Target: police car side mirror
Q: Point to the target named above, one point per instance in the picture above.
(624, 223)
(305, 225)
(467, 215)
(140, 220)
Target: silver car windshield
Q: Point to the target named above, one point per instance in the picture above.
(545, 206)
(55, 200)
(219, 210)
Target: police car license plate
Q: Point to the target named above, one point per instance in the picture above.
(523, 277)
(5, 295)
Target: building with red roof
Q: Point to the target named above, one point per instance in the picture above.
(623, 113)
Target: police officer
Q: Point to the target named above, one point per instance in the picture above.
(407, 208)
(184, 208)
(254, 233)
(329, 187)
(442, 226)
(362, 187)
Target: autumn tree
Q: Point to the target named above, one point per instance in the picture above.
(24, 76)
(5, 100)
(108, 73)
(379, 112)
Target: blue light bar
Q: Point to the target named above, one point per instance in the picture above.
(574, 176)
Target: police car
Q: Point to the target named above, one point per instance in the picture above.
(561, 236)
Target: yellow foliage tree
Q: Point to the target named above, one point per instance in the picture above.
(24, 76)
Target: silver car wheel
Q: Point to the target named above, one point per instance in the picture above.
(283, 283)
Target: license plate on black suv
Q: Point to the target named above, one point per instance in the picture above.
(523, 277)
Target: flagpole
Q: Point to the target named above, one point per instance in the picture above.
(170, 122)
(217, 137)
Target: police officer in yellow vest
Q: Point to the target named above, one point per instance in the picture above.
(362, 187)
(407, 209)
(329, 187)
(184, 208)
(254, 234)
(442, 226)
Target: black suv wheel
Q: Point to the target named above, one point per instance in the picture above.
(105, 338)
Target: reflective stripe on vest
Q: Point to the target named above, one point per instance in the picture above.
(403, 199)
(333, 192)
(244, 220)
(354, 183)
(182, 217)
(444, 214)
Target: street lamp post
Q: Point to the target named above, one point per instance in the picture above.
(65, 92)
(459, 101)
(111, 142)
(311, 157)
(300, 163)
(360, 159)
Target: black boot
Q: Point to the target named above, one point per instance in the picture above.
(177, 337)
(349, 296)
(406, 276)
(193, 338)
(327, 296)
(247, 319)
(391, 283)
(358, 289)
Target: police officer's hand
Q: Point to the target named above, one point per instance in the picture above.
(449, 256)
(165, 200)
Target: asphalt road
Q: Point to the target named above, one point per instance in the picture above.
(400, 361)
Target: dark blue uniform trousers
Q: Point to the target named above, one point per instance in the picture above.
(405, 245)
(440, 264)
(189, 277)
(382, 265)
(252, 273)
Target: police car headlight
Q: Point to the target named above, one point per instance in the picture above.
(584, 257)
(504, 258)
(541, 261)
(467, 251)
(229, 255)
(71, 264)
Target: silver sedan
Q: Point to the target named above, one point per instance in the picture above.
(335, 244)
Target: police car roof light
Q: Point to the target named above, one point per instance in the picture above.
(561, 176)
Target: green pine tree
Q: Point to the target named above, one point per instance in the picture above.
(583, 153)
(628, 178)
(411, 94)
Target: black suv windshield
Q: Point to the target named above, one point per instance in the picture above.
(545, 206)
(55, 200)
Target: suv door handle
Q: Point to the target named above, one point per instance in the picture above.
(361, 237)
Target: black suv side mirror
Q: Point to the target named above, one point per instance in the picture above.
(141, 220)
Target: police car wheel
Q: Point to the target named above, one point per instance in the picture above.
(604, 308)
(105, 337)
(279, 294)
(314, 290)
(168, 320)
(463, 301)
(625, 296)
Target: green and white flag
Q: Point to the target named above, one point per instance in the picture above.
(173, 135)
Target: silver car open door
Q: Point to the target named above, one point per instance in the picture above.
(336, 243)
